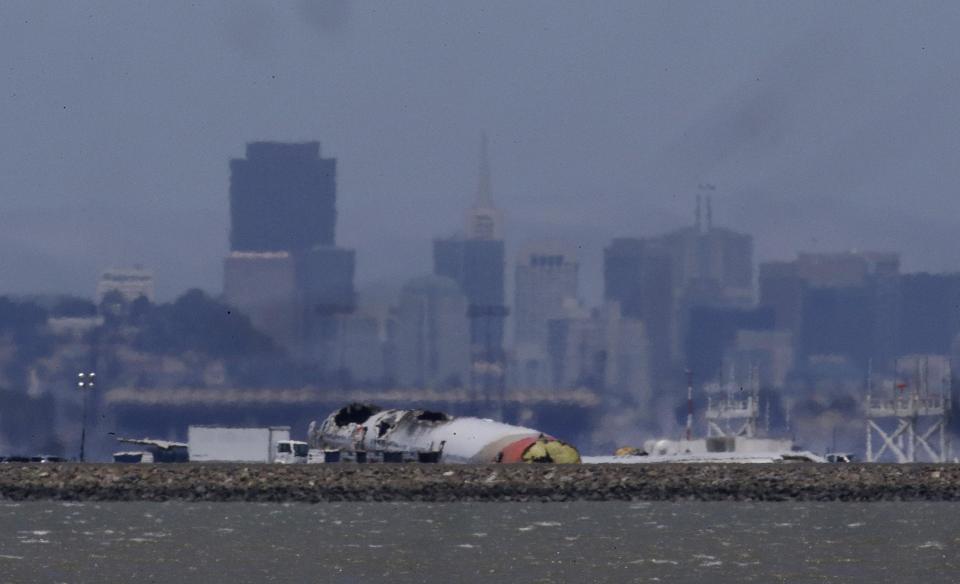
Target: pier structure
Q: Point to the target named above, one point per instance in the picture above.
(909, 420)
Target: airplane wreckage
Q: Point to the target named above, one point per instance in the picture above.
(428, 436)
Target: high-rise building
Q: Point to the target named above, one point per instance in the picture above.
(285, 260)
(546, 277)
(711, 259)
(843, 304)
(637, 275)
(781, 288)
(476, 263)
(484, 221)
(432, 344)
(545, 288)
(324, 276)
(661, 280)
(713, 331)
(282, 198)
(929, 313)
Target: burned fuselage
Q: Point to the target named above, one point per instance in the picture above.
(364, 427)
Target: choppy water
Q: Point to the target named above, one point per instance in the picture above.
(479, 542)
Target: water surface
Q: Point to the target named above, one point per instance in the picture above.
(479, 542)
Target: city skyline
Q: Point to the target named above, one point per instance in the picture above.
(821, 127)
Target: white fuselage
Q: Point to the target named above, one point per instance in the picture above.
(464, 440)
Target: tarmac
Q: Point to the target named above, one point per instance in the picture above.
(316, 483)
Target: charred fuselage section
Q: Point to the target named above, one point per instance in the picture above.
(435, 436)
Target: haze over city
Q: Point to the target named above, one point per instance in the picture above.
(821, 126)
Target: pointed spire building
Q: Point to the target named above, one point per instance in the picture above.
(484, 221)
(476, 262)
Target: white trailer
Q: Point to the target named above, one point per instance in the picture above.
(226, 444)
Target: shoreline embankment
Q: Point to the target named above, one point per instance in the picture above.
(450, 483)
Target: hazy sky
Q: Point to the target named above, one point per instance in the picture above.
(823, 126)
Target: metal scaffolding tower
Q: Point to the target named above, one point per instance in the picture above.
(910, 421)
(737, 411)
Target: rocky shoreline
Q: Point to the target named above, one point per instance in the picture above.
(448, 483)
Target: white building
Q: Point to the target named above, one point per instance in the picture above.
(131, 283)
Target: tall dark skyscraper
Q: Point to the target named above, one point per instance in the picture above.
(476, 263)
(283, 218)
(637, 275)
(282, 198)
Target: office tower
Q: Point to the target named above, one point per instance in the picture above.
(843, 304)
(484, 221)
(781, 288)
(282, 198)
(262, 286)
(711, 265)
(324, 277)
(713, 331)
(285, 260)
(628, 368)
(432, 343)
(131, 283)
(929, 313)
(576, 350)
(476, 263)
(637, 274)
(545, 288)
(545, 280)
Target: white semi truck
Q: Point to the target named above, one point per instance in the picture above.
(228, 444)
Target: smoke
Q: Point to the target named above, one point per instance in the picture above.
(252, 28)
(258, 28)
(327, 17)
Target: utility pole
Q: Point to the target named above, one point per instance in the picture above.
(689, 404)
(85, 383)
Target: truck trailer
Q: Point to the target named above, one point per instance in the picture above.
(229, 444)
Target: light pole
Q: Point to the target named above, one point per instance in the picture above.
(85, 383)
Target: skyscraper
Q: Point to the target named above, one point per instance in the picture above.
(637, 275)
(714, 260)
(545, 279)
(476, 263)
(286, 270)
(545, 288)
(484, 221)
(845, 304)
(324, 276)
(282, 198)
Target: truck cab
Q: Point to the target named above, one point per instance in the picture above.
(840, 457)
(291, 452)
